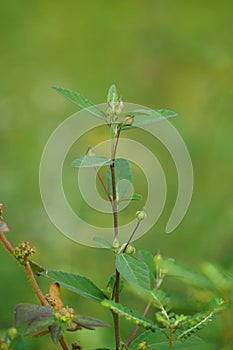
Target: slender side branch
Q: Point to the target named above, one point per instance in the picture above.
(103, 185)
(132, 234)
(34, 284)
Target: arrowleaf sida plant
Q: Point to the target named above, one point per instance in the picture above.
(143, 271)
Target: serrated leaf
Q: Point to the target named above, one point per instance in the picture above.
(56, 332)
(133, 270)
(90, 162)
(147, 116)
(103, 243)
(80, 101)
(77, 284)
(25, 313)
(130, 315)
(123, 178)
(112, 94)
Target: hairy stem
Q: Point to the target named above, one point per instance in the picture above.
(32, 280)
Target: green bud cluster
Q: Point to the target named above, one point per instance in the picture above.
(65, 315)
(142, 346)
(5, 343)
(126, 248)
(23, 251)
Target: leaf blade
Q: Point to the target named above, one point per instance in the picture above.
(123, 178)
(77, 284)
(90, 162)
(147, 116)
(81, 101)
(133, 270)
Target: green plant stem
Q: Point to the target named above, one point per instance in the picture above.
(32, 280)
(116, 319)
(132, 234)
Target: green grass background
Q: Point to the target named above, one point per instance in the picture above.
(161, 54)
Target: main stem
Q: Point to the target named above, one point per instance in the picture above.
(116, 239)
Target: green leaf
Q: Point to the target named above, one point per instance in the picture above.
(172, 269)
(80, 101)
(103, 243)
(123, 178)
(56, 332)
(36, 268)
(90, 322)
(112, 94)
(18, 343)
(148, 259)
(133, 270)
(153, 340)
(158, 340)
(25, 313)
(77, 284)
(90, 162)
(130, 315)
(147, 116)
(134, 197)
(38, 326)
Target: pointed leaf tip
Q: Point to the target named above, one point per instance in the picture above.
(81, 101)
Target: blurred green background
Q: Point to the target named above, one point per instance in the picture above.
(161, 54)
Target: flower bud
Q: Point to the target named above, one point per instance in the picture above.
(141, 215)
(128, 121)
(12, 332)
(127, 248)
(142, 345)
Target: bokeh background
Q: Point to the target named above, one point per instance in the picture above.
(161, 54)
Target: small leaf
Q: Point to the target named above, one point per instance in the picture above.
(112, 94)
(90, 322)
(174, 270)
(148, 258)
(153, 340)
(25, 313)
(36, 268)
(130, 315)
(80, 101)
(147, 116)
(56, 332)
(123, 178)
(39, 325)
(90, 162)
(133, 270)
(135, 196)
(103, 243)
(77, 284)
